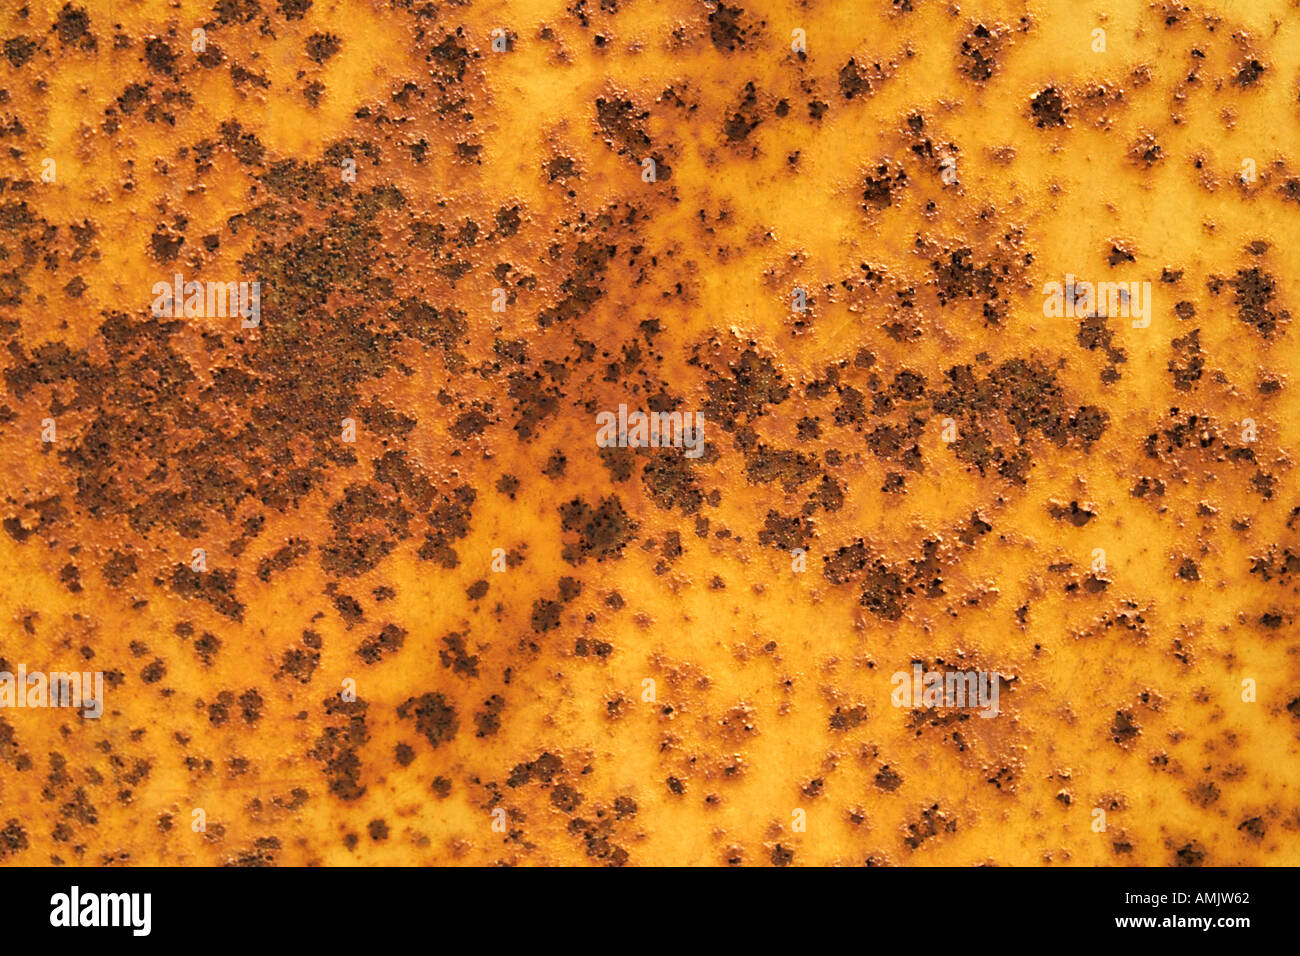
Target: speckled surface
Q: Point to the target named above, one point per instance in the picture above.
(432, 621)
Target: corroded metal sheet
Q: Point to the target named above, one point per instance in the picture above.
(644, 432)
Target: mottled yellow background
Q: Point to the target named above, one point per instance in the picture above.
(369, 565)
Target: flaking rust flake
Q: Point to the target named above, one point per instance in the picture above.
(635, 433)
